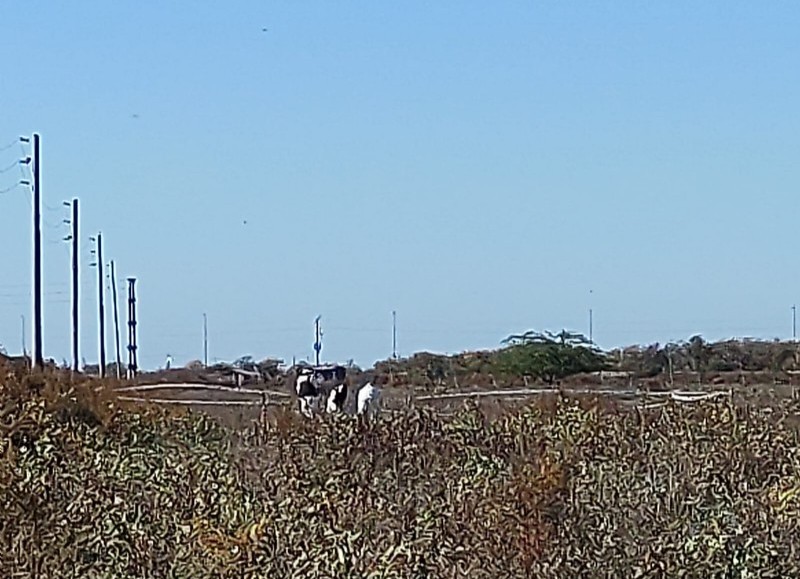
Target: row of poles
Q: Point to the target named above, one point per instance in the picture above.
(37, 357)
(318, 338)
(37, 354)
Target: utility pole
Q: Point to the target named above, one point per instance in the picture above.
(394, 335)
(101, 313)
(205, 340)
(591, 320)
(132, 366)
(116, 319)
(37, 360)
(101, 309)
(794, 323)
(318, 338)
(671, 373)
(75, 297)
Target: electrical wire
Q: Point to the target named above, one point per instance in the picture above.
(9, 167)
(50, 207)
(28, 294)
(9, 145)
(8, 303)
(26, 285)
(50, 225)
(24, 156)
(9, 189)
(359, 330)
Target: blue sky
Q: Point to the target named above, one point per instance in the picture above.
(478, 167)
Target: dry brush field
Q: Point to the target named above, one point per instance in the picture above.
(559, 486)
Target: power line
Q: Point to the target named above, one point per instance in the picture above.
(49, 225)
(25, 285)
(9, 167)
(9, 145)
(51, 208)
(28, 294)
(25, 155)
(358, 330)
(4, 304)
(9, 189)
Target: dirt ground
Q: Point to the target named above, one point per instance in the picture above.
(498, 400)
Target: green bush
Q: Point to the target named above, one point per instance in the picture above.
(548, 356)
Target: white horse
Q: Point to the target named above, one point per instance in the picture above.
(368, 400)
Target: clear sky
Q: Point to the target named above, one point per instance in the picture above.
(482, 168)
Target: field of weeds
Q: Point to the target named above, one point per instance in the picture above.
(561, 487)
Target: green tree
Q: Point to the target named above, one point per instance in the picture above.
(549, 356)
(244, 362)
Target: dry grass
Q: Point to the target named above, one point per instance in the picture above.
(558, 488)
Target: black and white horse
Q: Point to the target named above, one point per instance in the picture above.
(336, 398)
(307, 388)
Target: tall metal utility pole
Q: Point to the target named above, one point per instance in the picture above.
(100, 304)
(132, 366)
(394, 335)
(794, 323)
(205, 340)
(318, 338)
(37, 359)
(75, 297)
(24, 345)
(591, 320)
(116, 319)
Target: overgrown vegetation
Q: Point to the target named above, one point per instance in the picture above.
(702, 357)
(550, 357)
(561, 488)
(533, 356)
